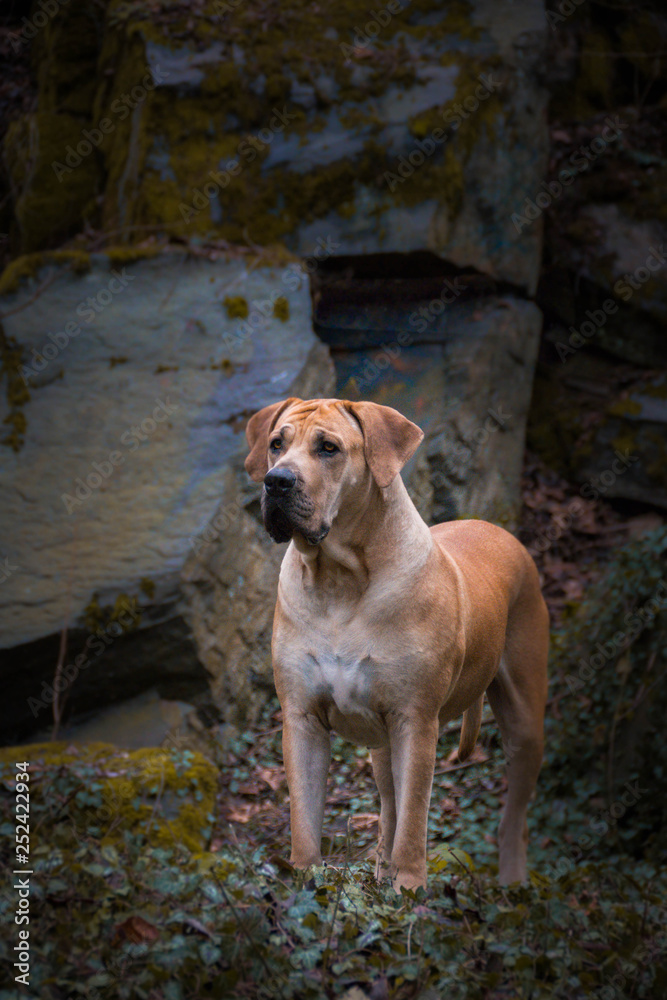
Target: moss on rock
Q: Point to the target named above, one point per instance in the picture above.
(236, 306)
(166, 797)
(51, 195)
(120, 256)
(29, 265)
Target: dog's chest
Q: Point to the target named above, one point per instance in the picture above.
(346, 682)
(342, 689)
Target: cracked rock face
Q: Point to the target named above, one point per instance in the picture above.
(425, 129)
(134, 440)
(456, 358)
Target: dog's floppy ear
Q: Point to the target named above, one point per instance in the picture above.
(257, 432)
(390, 439)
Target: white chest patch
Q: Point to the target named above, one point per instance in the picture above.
(346, 683)
(341, 690)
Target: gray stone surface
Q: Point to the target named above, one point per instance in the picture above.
(162, 347)
(463, 373)
(627, 456)
(294, 130)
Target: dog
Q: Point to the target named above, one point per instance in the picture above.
(385, 629)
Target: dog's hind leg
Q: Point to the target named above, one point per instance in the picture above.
(517, 696)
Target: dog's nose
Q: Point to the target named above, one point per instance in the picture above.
(277, 482)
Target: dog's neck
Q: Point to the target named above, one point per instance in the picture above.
(369, 538)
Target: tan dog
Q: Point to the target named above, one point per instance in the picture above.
(385, 630)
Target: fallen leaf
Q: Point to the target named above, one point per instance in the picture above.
(135, 929)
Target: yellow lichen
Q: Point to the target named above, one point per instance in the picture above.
(29, 265)
(167, 797)
(281, 308)
(236, 306)
(97, 617)
(120, 255)
(625, 407)
(147, 587)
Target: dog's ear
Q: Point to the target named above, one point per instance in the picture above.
(390, 439)
(257, 432)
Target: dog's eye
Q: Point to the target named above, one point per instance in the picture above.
(329, 447)
(275, 445)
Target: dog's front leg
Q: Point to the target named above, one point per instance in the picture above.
(384, 779)
(413, 744)
(307, 755)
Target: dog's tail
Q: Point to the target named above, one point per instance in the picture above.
(472, 719)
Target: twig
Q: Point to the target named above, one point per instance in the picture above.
(244, 929)
(61, 808)
(155, 804)
(325, 956)
(92, 247)
(24, 305)
(641, 694)
(459, 767)
(62, 652)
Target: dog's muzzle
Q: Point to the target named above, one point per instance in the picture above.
(286, 509)
(279, 482)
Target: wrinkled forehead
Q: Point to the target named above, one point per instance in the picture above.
(314, 416)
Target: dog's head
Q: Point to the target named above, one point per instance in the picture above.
(312, 455)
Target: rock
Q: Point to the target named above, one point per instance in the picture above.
(53, 185)
(133, 442)
(631, 259)
(230, 586)
(627, 455)
(623, 262)
(421, 129)
(458, 360)
(601, 423)
(144, 721)
(47, 207)
(155, 794)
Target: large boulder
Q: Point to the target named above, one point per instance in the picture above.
(128, 441)
(412, 127)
